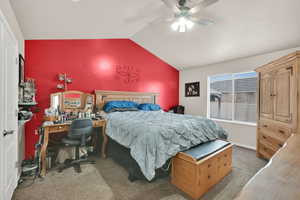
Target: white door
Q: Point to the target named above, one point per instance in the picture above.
(1, 113)
(9, 103)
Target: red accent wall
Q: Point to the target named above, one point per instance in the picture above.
(104, 64)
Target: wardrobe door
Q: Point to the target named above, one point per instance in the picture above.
(284, 92)
(266, 99)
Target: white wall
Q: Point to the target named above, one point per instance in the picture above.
(10, 17)
(238, 133)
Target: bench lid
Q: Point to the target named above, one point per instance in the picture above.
(206, 149)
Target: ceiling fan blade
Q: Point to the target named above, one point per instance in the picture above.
(171, 5)
(202, 21)
(203, 4)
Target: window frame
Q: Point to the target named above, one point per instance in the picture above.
(233, 121)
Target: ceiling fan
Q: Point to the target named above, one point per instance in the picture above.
(185, 13)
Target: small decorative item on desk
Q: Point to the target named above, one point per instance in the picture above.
(84, 115)
(50, 114)
(50, 118)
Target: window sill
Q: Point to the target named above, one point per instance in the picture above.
(234, 122)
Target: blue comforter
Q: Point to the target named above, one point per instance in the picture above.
(154, 137)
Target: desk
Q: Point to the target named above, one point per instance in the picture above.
(57, 128)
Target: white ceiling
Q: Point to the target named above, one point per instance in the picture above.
(243, 27)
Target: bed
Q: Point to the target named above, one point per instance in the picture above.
(144, 141)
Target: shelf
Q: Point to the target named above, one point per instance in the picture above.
(27, 104)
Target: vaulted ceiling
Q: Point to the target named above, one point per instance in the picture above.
(243, 28)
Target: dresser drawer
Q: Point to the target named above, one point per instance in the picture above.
(56, 129)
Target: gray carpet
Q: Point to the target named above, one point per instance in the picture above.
(245, 165)
(68, 185)
(90, 185)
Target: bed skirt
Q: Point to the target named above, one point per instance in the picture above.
(121, 155)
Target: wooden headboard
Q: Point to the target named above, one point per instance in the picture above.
(103, 96)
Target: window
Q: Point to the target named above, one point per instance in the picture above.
(232, 97)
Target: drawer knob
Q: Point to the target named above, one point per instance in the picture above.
(264, 137)
(208, 176)
(280, 145)
(281, 131)
(208, 165)
(225, 164)
(265, 125)
(225, 155)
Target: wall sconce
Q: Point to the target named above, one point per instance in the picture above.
(65, 81)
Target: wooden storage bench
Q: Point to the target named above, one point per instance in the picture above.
(196, 170)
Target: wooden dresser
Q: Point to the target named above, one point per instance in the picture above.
(278, 102)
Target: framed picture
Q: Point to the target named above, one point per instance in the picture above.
(21, 69)
(192, 89)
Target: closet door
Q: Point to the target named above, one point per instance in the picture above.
(266, 99)
(284, 92)
(9, 100)
(1, 113)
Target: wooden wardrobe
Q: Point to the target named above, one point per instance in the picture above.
(278, 101)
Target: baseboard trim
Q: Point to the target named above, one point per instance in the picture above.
(244, 146)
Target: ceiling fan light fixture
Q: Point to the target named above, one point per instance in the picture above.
(175, 26)
(182, 24)
(182, 28)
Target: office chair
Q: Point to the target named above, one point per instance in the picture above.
(79, 134)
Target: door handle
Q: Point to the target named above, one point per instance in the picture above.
(5, 132)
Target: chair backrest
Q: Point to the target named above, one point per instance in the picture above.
(79, 128)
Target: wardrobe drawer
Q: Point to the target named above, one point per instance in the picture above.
(268, 139)
(264, 141)
(282, 133)
(264, 124)
(266, 151)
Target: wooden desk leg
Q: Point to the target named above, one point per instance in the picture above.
(44, 152)
(104, 143)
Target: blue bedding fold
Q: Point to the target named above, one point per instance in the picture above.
(153, 137)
